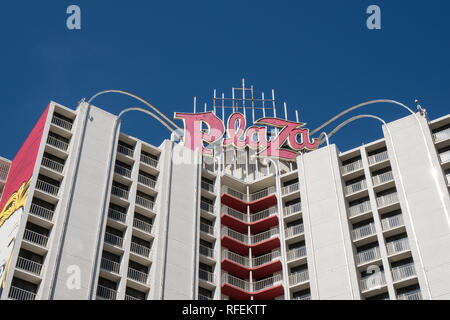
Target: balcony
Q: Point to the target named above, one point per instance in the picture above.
(52, 165)
(261, 266)
(387, 199)
(363, 232)
(110, 266)
(203, 297)
(294, 231)
(240, 289)
(61, 123)
(131, 298)
(146, 181)
(392, 222)
(58, 144)
(142, 225)
(355, 187)
(257, 222)
(140, 249)
(149, 161)
(143, 202)
(372, 282)
(257, 201)
(260, 243)
(119, 192)
(441, 135)
(303, 297)
(292, 209)
(105, 293)
(403, 272)
(206, 252)
(261, 194)
(41, 212)
(445, 156)
(290, 188)
(351, 167)
(47, 188)
(36, 238)
(366, 256)
(16, 293)
(297, 253)
(113, 240)
(137, 275)
(412, 295)
(29, 266)
(125, 151)
(298, 278)
(206, 276)
(117, 215)
(359, 208)
(122, 171)
(377, 158)
(382, 178)
(397, 246)
(207, 186)
(206, 228)
(206, 207)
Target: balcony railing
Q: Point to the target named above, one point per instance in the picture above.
(234, 193)
(358, 164)
(295, 208)
(47, 187)
(57, 143)
(257, 238)
(122, 171)
(355, 187)
(359, 208)
(124, 150)
(382, 178)
(392, 222)
(207, 252)
(207, 207)
(207, 186)
(396, 246)
(290, 188)
(206, 275)
(445, 156)
(298, 277)
(363, 231)
(16, 293)
(296, 253)
(147, 181)
(149, 161)
(243, 261)
(294, 230)
(117, 215)
(110, 265)
(61, 123)
(266, 283)
(142, 225)
(106, 293)
(367, 255)
(140, 249)
(441, 135)
(235, 235)
(53, 165)
(131, 298)
(379, 157)
(113, 239)
(28, 265)
(251, 287)
(119, 192)
(143, 202)
(413, 295)
(236, 282)
(35, 237)
(203, 297)
(261, 194)
(137, 275)
(403, 272)
(249, 218)
(41, 212)
(303, 297)
(374, 281)
(266, 258)
(387, 199)
(206, 228)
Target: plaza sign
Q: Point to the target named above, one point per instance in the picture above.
(289, 140)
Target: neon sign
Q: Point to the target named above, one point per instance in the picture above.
(290, 138)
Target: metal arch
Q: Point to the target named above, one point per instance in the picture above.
(152, 115)
(359, 106)
(135, 97)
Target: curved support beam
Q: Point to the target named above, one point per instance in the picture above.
(135, 97)
(359, 106)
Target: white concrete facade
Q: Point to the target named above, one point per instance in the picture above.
(128, 222)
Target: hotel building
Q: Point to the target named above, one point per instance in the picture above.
(108, 216)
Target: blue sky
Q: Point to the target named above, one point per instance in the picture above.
(318, 56)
